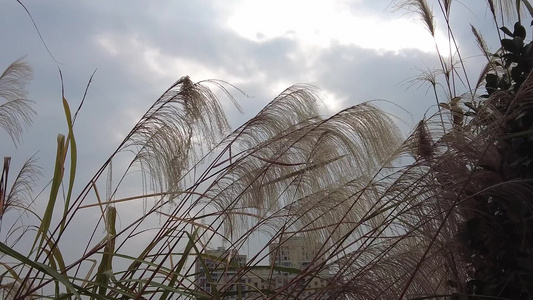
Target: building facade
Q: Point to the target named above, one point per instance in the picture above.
(218, 269)
(296, 269)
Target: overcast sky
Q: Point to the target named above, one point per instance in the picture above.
(354, 51)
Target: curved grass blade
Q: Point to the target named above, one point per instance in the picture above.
(102, 277)
(181, 263)
(56, 183)
(73, 159)
(40, 267)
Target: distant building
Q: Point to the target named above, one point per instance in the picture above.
(222, 265)
(300, 253)
(227, 270)
(295, 252)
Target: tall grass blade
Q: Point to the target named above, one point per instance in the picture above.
(106, 264)
(73, 159)
(56, 183)
(40, 267)
(192, 239)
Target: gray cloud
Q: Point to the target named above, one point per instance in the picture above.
(191, 32)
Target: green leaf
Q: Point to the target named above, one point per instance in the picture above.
(214, 289)
(519, 31)
(506, 31)
(513, 45)
(56, 183)
(40, 267)
(73, 159)
(508, 45)
(102, 277)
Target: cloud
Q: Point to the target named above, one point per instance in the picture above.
(353, 51)
(321, 24)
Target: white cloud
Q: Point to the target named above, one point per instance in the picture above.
(332, 101)
(321, 23)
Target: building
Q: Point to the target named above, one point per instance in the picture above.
(222, 265)
(295, 252)
(289, 259)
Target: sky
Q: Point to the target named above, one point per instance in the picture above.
(353, 51)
